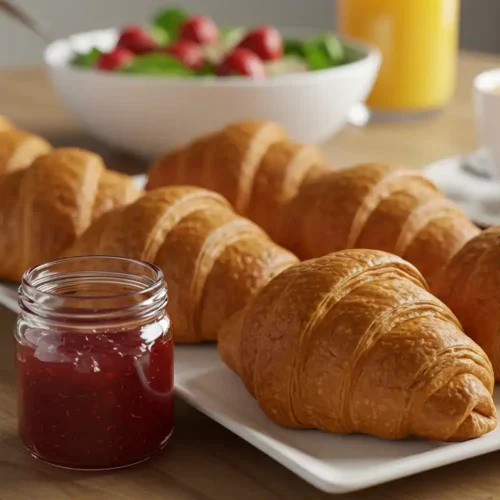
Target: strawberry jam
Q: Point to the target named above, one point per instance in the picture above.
(94, 363)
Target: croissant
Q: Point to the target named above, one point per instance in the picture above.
(18, 149)
(470, 286)
(353, 342)
(252, 164)
(5, 124)
(214, 261)
(306, 207)
(380, 207)
(45, 207)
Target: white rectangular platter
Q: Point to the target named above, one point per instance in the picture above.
(335, 464)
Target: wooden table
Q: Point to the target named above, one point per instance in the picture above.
(205, 461)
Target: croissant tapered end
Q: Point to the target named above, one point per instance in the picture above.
(5, 123)
(115, 190)
(470, 286)
(353, 343)
(462, 409)
(18, 149)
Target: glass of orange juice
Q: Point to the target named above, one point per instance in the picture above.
(418, 40)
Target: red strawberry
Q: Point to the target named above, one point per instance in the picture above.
(116, 59)
(199, 29)
(137, 39)
(242, 62)
(187, 52)
(265, 41)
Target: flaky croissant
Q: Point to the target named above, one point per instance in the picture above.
(214, 261)
(18, 149)
(45, 207)
(252, 164)
(381, 207)
(311, 210)
(5, 123)
(353, 342)
(470, 286)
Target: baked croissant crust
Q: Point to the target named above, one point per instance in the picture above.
(380, 207)
(45, 207)
(306, 207)
(470, 286)
(214, 261)
(18, 149)
(353, 342)
(5, 123)
(253, 164)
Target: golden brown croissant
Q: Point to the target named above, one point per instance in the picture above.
(381, 207)
(45, 207)
(18, 149)
(252, 164)
(353, 342)
(312, 211)
(470, 286)
(214, 261)
(5, 124)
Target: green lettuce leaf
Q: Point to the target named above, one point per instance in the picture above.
(324, 51)
(321, 52)
(206, 70)
(157, 64)
(333, 48)
(170, 20)
(316, 56)
(87, 60)
(293, 47)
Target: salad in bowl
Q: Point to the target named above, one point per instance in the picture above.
(147, 89)
(178, 44)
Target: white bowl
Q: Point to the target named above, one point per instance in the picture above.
(149, 115)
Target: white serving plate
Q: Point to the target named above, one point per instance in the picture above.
(140, 180)
(478, 197)
(334, 464)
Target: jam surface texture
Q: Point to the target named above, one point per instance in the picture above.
(97, 400)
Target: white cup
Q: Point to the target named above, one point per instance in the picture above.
(487, 104)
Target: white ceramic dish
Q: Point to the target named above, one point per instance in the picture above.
(478, 197)
(334, 464)
(149, 115)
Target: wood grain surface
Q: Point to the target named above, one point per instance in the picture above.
(204, 460)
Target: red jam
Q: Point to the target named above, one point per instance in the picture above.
(97, 399)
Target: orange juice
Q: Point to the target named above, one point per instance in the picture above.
(418, 40)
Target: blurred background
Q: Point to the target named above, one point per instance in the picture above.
(479, 28)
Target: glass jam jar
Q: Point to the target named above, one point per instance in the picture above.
(94, 362)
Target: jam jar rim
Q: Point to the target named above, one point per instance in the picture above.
(152, 295)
